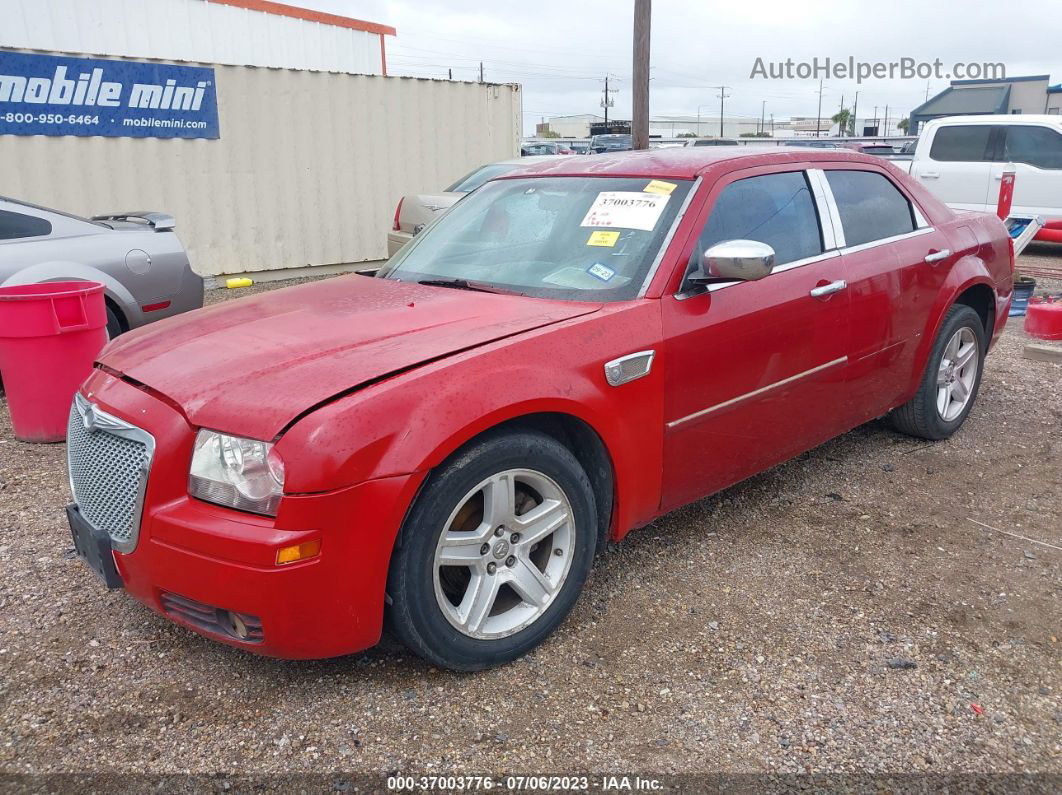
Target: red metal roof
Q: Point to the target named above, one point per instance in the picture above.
(269, 7)
(688, 162)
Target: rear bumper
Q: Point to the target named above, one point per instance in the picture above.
(395, 241)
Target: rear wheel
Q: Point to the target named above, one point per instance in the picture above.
(951, 380)
(494, 552)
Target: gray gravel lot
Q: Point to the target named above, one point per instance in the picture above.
(841, 612)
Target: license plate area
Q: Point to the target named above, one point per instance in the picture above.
(94, 548)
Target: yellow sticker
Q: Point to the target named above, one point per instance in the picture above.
(657, 186)
(603, 239)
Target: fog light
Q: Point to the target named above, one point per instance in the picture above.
(307, 549)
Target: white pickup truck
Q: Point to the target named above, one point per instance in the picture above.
(960, 159)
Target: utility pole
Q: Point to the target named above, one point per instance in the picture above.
(722, 97)
(606, 100)
(885, 129)
(481, 71)
(643, 11)
(840, 127)
(855, 111)
(876, 125)
(763, 119)
(772, 125)
(927, 91)
(818, 118)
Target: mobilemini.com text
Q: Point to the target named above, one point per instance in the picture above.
(851, 69)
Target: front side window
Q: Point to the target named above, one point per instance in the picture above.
(16, 225)
(967, 143)
(1035, 146)
(776, 209)
(570, 238)
(871, 207)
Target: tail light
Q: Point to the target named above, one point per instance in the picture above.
(397, 225)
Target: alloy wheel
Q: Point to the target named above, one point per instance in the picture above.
(504, 554)
(957, 374)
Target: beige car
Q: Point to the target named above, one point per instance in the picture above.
(417, 210)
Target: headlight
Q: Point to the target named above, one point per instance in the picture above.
(239, 473)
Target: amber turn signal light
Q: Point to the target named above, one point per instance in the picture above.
(307, 549)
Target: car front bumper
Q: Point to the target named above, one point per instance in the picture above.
(199, 564)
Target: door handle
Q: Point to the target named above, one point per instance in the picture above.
(929, 174)
(829, 289)
(934, 257)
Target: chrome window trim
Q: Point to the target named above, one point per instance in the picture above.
(827, 207)
(920, 220)
(800, 263)
(665, 244)
(108, 423)
(886, 240)
(756, 392)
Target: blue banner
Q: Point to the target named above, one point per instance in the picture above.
(56, 95)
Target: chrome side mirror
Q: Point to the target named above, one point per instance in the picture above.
(745, 260)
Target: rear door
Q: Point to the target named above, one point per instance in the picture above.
(895, 264)
(958, 168)
(1036, 152)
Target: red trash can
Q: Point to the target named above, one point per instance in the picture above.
(49, 336)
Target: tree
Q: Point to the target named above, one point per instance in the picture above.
(842, 118)
(905, 125)
(686, 135)
(549, 134)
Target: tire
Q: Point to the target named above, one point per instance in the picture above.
(922, 415)
(488, 510)
(114, 324)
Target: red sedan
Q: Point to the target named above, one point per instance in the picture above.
(570, 352)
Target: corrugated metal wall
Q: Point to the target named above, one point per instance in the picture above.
(307, 171)
(186, 30)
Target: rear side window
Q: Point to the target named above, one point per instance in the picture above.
(16, 225)
(1036, 146)
(962, 143)
(871, 207)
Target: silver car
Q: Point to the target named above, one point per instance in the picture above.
(137, 256)
(417, 210)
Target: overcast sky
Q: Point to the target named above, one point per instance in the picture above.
(561, 51)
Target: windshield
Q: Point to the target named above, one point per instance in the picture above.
(470, 182)
(572, 238)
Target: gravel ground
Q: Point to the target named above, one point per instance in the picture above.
(850, 610)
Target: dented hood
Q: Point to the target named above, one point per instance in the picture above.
(251, 366)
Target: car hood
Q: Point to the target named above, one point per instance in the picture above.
(251, 366)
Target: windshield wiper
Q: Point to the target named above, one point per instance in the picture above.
(465, 284)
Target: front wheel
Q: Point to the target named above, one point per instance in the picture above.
(494, 552)
(952, 377)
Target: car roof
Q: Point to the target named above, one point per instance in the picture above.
(686, 162)
(1000, 118)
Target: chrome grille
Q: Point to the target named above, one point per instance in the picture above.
(108, 461)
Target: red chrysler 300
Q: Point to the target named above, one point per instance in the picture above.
(570, 352)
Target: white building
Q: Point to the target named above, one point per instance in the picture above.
(107, 105)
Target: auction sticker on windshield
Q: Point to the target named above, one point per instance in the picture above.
(626, 209)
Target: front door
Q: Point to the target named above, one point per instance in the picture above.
(755, 371)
